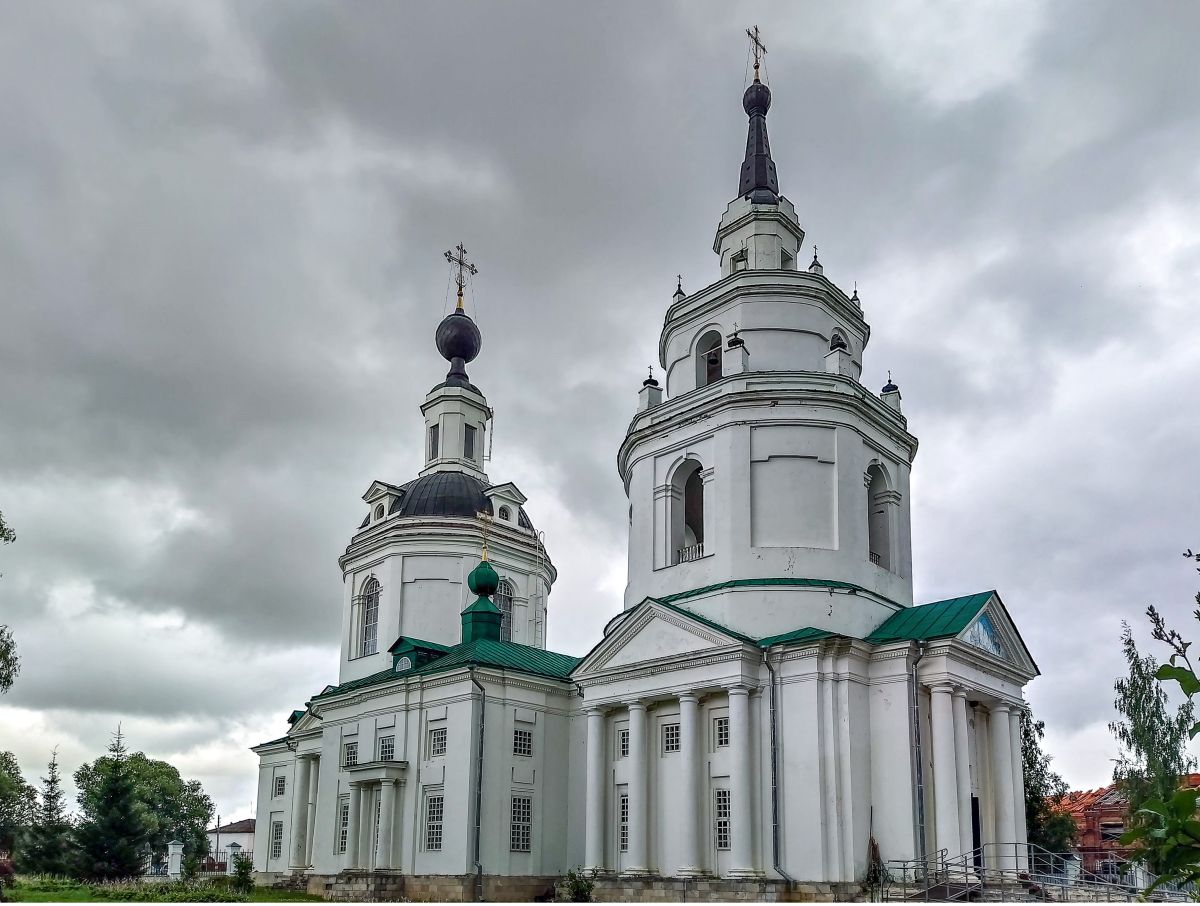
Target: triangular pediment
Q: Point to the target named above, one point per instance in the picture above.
(379, 489)
(508, 491)
(653, 632)
(993, 632)
(309, 721)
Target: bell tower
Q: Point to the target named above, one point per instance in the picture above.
(768, 488)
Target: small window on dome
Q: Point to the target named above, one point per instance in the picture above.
(505, 514)
(404, 664)
(379, 511)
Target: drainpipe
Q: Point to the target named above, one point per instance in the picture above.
(775, 776)
(914, 703)
(478, 785)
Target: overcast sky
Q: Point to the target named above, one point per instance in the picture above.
(221, 237)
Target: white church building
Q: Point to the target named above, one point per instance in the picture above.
(768, 700)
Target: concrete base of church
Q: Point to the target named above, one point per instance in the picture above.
(393, 886)
(720, 890)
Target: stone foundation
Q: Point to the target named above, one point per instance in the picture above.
(719, 890)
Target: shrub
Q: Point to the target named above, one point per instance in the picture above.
(243, 873)
(189, 868)
(576, 887)
(170, 892)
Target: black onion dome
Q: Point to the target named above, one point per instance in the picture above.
(457, 337)
(757, 99)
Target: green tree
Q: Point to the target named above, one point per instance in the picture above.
(1048, 827)
(113, 834)
(174, 809)
(10, 664)
(49, 845)
(17, 799)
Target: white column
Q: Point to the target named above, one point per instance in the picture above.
(1018, 765)
(1002, 790)
(300, 812)
(353, 819)
(962, 762)
(693, 794)
(945, 774)
(314, 776)
(387, 820)
(639, 853)
(595, 810)
(741, 814)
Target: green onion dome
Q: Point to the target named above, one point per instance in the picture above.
(483, 579)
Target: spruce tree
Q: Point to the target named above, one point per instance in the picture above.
(48, 844)
(113, 836)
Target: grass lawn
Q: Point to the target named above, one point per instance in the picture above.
(56, 890)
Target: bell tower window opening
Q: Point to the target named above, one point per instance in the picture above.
(504, 600)
(433, 442)
(469, 443)
(879, 534)
(786, 261)
(708, 359)
(369, 618)
(687, 518)
(740, 261)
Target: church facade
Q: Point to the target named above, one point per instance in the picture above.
(768, 700)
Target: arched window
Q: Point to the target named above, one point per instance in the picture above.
(379, 511)
(879, 528)
(687, 517)
(504, 600)
(708, 359)
(505, 514)
(369, 609)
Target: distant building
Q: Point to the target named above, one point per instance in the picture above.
(239, 832)
(1100, 816)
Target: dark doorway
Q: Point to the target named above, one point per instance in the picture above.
(976, 832)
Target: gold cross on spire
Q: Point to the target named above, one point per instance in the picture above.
(457, 257)
(757, 46)
(485, 520)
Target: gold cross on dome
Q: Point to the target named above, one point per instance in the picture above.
(485, 520)
(457, 258)
(759, 48)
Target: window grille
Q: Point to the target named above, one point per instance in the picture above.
(276, 839)
(721, 813)
(521, 832)
(670, 738)
(523, 743)
(369, 602)
(349, 754)
(623, 824)
(721, 731)
(437, 742)
(387, 748)
(504, 600)
(622, 743)
(343, 823)
(434, 809)
(505, 514)
(469, 443)
(280, 786)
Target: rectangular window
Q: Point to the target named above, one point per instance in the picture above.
(721, 731)
(437, 742)
(670, 738)
(387, 748)
(520, 835)
(433, 442)
(721, 816)
(523, 743)
(623, 823)
(622, 743)
(276, 839)
(343, 826)
(349, 754)
(280, 786)
(434, 809)
(469, 443)
(741, 261)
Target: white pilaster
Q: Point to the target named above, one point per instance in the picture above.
(689, 817)
(962, 762)
(314, 777)
(300, 792)
(1002, 790)
(741, 854)
(945, 774)
(595, 812)
(1018, 770)
(353, 819)
(387, 820)
(637, 791)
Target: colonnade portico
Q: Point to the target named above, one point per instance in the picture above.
(361, 840)
(686, 822)
(949, 718)
(304, 810)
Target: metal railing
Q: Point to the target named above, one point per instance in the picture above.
(1014, 871)
(877, 559)
(690, 553)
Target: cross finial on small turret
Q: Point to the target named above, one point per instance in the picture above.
(757, 46)
(486, 520)
(679, 283)
(457, 258)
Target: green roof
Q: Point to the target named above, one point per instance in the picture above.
(937, 620)
(786, 582)
(407, 641)
(807, 634)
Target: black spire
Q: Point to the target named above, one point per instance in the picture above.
(758, 170)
